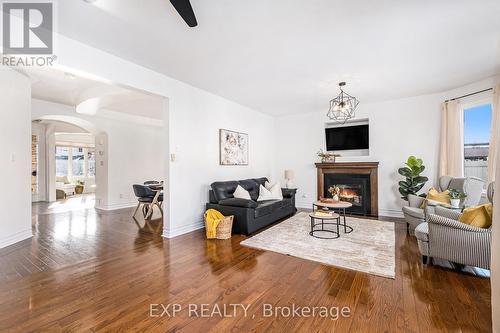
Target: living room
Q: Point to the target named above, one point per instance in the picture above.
(269, 86)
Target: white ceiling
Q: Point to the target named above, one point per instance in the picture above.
(287, 56)
(57, 86)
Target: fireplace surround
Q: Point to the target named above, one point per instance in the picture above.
(358, 183)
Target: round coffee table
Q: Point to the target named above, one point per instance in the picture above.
(340, 206)
(322, 218)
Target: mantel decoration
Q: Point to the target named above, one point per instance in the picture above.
(233, 148)
(326, 156)
(342, 107)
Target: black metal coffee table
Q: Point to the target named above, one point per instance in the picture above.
(322, 218)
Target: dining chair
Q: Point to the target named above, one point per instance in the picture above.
(148, 199)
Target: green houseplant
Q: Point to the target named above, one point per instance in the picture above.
(413, 180)
(455, 197)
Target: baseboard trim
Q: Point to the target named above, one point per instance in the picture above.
(115, 207)
(391, 213)
(15, 238)
(171, 233)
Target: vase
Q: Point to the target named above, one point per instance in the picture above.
(335, 197)
(455, 203)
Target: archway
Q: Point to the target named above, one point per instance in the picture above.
(101, 153)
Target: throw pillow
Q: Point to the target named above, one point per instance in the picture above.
(241, 193)
(436, 196)
(480, 216)
(273, 194)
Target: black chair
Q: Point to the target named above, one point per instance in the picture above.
(148, 199)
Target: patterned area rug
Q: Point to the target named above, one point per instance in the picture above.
(369, 248)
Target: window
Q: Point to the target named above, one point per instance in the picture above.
(477, 130)
(62, 154)
(75, 162)
(34, 164)
(78, 165)
(91, 163)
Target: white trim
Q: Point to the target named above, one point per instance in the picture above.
(15, 238)
(391, 213)
(117, 206)
(171, 233)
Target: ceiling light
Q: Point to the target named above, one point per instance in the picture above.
(342, 107)
(90, 1)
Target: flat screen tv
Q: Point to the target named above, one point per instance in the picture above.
(347, 138)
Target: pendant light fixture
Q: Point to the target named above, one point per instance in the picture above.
(342, 107)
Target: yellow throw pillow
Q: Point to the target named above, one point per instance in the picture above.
(480, 216)
(435, 195)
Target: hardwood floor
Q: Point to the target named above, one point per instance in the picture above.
(84, 271)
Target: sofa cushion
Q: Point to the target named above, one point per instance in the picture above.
(251, 186)
(237, 202)
(480, 216)
(267, 207)
(224, 190)
(241, 193)
(422, 232)
(414, 212)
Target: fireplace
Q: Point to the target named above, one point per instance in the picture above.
(357, 182)
(354, 188)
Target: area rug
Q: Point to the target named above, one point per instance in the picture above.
(369, 248)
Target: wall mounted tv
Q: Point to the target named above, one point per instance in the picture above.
(347, 138)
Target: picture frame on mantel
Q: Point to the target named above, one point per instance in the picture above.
(233, 148)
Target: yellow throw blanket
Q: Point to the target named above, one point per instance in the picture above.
(212, 219)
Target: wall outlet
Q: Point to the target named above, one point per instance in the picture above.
(305, 195)
(121, 196)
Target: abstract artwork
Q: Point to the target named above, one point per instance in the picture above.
(233, 148)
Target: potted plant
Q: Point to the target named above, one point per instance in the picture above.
(79, 186)
(455, 197)
(413, 181)
(327, 157)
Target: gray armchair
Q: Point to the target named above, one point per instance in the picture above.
(472, 186)
(443, 236)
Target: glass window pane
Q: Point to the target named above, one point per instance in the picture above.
(91, 163)
(78, 162)
(477, 130)
(62, 161)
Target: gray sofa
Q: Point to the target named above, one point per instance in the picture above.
(444, 237)
(472, 186)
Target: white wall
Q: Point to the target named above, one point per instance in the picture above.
(398, 129)
(194, 118)
(134, 152)
(15, 157)
(495, 255)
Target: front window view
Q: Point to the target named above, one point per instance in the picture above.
(477, 132)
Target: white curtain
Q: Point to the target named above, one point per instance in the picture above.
(495, 135)
(451, 159)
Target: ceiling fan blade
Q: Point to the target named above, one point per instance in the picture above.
(185, 10)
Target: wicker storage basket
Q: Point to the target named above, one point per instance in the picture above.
(224, 228)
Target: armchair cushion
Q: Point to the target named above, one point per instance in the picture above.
(446, 222)
(435, 196)
(237, 202)
(414, 212)
(480, 216)
(415, 200)
(422, 232)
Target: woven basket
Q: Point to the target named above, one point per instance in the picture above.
(224, 228)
